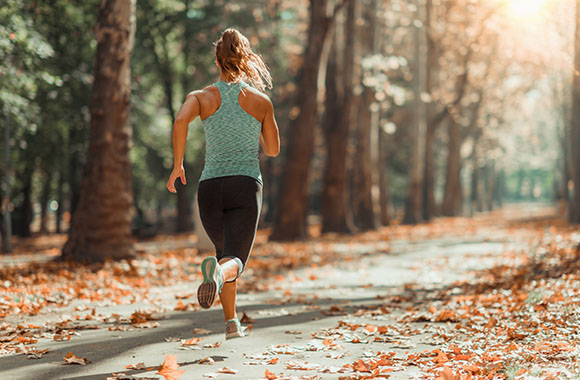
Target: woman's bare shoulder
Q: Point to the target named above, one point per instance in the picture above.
(207, 93)
(258, 96)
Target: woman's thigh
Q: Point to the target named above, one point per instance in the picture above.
(242, 197)
(211, 211)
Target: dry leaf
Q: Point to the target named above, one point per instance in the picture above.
(448, 374)
(246, 319)
(208, 361)
(228, 370)
(70, 358)
(192, 341)
(136, 366)
(169, 368)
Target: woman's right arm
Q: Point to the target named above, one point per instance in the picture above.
(269, 138)
(189, 111)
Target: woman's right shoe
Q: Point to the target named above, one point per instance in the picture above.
(234, 329)
(212, 284)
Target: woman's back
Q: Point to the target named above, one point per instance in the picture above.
(231, 122)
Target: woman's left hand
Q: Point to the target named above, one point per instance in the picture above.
(176, 173)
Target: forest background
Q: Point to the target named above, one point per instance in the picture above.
(390, 111)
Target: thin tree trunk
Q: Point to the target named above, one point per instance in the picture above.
(574, 152)
(453, 193)
(74, 171)
(364, 210)
(413, 206)
(6, 200)
(45, 196)
(23, 214)
(60, 200)
(490, 185)
(336, 213)
(385, 187)
(290, 220)
(429, 207)
(102, 222)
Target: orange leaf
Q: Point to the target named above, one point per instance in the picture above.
(192, 341)
(70, 358)
(169, 368)
(448, 374)
(228, 370)
(270, 375)
(246, 319)
(273, 361)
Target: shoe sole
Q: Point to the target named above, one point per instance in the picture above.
(207, 291)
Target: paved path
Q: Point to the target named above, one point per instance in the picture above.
(295, 321)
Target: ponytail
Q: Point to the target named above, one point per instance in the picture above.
(238, 62)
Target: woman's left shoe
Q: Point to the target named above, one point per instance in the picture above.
(212, 284)
(234, 329)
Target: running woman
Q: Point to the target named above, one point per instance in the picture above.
(237, 119)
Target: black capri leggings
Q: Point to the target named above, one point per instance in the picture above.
(229, 208)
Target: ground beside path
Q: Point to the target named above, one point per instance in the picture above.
(492, 297)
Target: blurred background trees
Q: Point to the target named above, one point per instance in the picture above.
(390, 110)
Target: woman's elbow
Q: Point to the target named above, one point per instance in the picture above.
(272, 152)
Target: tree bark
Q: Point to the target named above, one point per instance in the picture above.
(384, 182)
(290, 220)
(44, 198)
(23, 214)
(431, 67)
(60, 200)
(574, 152)
(413, 206)
(102, 221)
(364, 170)
(336, 213)
(452, 201)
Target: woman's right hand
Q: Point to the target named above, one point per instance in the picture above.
(176, 173)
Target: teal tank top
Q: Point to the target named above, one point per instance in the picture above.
(232, 137)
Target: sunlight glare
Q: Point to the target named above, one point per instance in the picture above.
(526, 8)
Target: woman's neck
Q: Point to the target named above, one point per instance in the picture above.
(223, 78)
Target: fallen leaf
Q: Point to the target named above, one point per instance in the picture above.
(70, 358)
(136, 366)
(208, 361)
(192, 341)
(228, 370)
(169, 368)
(246, 319)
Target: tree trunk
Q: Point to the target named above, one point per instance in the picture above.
(413, 206)
(384, 182)
(6, 225)
(453, 195)
(364, 210)
(431, 67)
(60, 200)
(102, 221)
(429, 207)
(23, 214)
(574, 152)
(290, 220)
(336, 216)
(74, 171)
(490, 185)
(44, 198)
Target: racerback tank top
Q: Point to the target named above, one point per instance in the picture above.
(232, 137)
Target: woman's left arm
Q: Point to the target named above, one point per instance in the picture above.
(189, 111)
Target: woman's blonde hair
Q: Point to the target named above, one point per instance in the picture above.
(238, 62)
